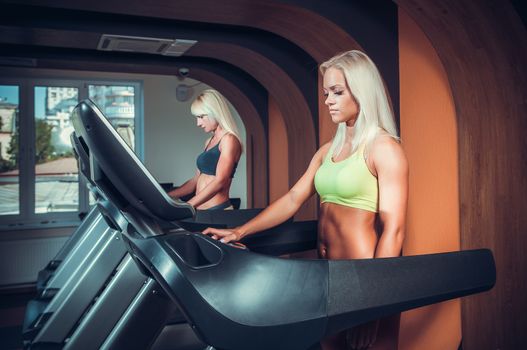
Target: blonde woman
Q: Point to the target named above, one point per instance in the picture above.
(217, 163)
(361, 176)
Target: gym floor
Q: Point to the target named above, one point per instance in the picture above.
(12, 309)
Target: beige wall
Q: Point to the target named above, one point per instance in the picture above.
(172, 139)
(429, 137)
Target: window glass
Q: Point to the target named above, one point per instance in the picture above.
(56, 172)
(39, 178)
(9, 152)
(117, 104)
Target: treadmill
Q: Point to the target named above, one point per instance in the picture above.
(61, 259)
(239, 299)
(149, 311)
(107, 302)
(89, 257)
(94, 267)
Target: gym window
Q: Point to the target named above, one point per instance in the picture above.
(40, 184)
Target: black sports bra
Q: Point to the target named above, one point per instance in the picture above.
(207, 161)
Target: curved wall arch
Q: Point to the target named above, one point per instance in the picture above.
(319, 29)
(484, 58)
(291, 22)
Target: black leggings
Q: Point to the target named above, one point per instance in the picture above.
(222, 206)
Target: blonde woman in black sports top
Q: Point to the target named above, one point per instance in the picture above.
(217, 164)
(361, 177)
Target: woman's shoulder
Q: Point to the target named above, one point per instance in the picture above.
(231, 141)
(323, 150)
(229, 138)
(325, 147)
(384, 139)
(386, 147)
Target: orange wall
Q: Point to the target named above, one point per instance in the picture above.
(278, 153)
(429, 137)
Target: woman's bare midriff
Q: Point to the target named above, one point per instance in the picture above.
(220, 197)
(345, 232)
(349, 233)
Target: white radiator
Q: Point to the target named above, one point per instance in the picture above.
(20, 260)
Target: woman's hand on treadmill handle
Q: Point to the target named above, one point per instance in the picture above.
(223, 235)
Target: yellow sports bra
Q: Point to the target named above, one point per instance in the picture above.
(348, 182)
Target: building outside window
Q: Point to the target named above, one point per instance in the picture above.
(9, 174)
(39, 178)
(117, 104)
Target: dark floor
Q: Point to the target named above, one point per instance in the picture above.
(12, 309)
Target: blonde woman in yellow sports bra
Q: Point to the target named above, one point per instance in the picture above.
(361, 176)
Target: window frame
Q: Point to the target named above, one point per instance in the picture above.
(27, 217)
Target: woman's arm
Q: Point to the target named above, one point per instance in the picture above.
(389, 163)
(280, 210)
(187, 188)
(391, 166)
(229, 156)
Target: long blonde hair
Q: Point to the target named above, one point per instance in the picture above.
(365, 84)
(214, 105)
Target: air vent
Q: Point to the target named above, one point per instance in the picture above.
(133, 44)
(179, 47)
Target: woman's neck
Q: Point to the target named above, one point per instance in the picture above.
(350, 131)
(218, 133)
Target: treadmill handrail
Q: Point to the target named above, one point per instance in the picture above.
(248, 291)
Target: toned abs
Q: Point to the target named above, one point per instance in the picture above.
(345, 232)
(220, 197)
